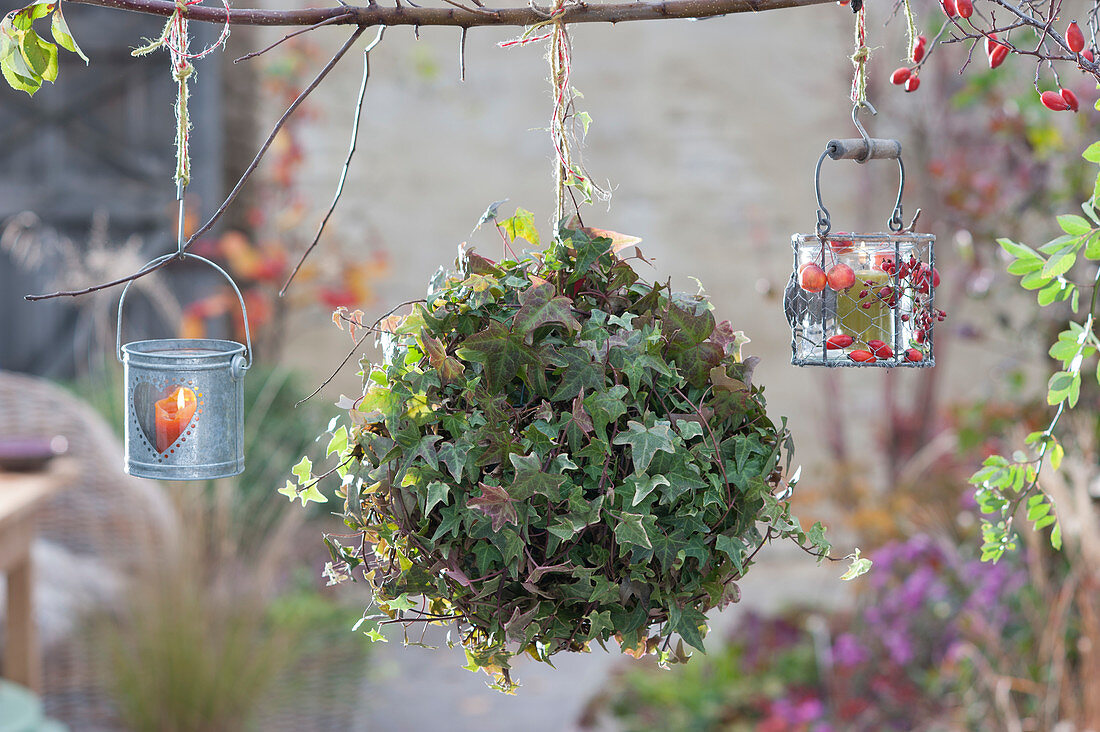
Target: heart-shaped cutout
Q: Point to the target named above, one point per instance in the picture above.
(165, 415)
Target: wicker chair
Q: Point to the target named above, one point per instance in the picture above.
(90, 536)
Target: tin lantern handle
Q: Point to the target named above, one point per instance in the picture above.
(188, 255)
(861, 150)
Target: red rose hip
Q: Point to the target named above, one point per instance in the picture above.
(1053, 101)
(880, 349)
(840, 340)
(914, 355)
(965, 8)
(861, 356)
(918, 49)
(1071, 100)
(998, 55)
(1075, 39)
(912, 83)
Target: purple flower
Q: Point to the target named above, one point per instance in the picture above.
(848, 652)
(901, 650)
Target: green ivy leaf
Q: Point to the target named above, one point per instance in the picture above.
(644, 442)
(303, 471)
(437, 493)
(859, 566)
(631, 529)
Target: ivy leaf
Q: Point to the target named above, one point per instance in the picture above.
(686, 623)
(454, 455)
(497, 504)
(644, 442)
(859, 566)
(530, 480)
(605, 407)
(437, 493)
(289, 490)
(521, 226)
(500, 352)
(450, 369)
(683, 329)
(539, 306)
(303, 471)
(631, 529)
(312, 493)
(644, 485)
(578, 371)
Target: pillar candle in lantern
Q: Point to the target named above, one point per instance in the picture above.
(173, 414)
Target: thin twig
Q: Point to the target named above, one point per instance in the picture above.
(347, 160)
(236, 189)
(288, 36)
(355, 349)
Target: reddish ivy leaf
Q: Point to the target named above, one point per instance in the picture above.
(539, 306)
(495, 503)
(500, 352)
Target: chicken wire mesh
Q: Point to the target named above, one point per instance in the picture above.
(862, 300)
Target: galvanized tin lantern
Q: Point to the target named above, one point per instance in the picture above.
(185, 401)
(862, 299)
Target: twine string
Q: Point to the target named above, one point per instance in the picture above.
(860, 56)
(177, 40)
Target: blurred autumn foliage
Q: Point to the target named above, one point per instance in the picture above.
(281, 224)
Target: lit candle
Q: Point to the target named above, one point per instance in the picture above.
(173, 414)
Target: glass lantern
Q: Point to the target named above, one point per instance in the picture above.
(862, 299)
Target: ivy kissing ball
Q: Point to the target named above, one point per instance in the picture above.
(555, 453)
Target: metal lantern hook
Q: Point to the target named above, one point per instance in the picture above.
(863, 132)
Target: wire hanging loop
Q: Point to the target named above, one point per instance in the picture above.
(866, 138)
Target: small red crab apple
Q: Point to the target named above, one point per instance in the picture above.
(841, 277)
(811, 277)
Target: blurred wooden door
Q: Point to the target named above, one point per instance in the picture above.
(99, 141)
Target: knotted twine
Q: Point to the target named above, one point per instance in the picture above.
(176, 39)
(860, 57)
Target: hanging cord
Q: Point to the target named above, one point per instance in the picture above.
(559, 77)
(176, 39)
(910, 27)
(860, 56)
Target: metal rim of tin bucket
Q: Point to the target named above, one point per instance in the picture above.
(240, 298)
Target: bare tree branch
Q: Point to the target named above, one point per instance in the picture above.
(466, 17)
